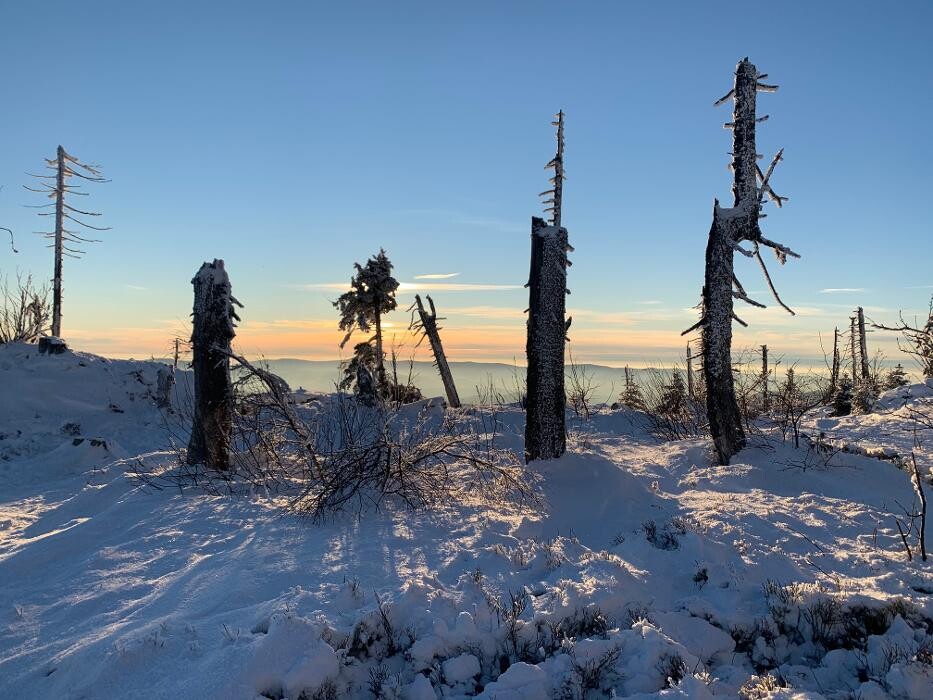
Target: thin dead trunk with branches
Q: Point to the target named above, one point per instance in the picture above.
(545, 430)
(66, 242)
(426, 324)
(731, 227)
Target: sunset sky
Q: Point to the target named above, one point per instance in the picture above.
(294, 138)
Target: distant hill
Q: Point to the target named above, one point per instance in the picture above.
(473, 379)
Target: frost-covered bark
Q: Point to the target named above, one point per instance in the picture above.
(765, 398)
(428, 324)
(863, 346)
(732, 226)
(544, 426)
(853, 351)
(725, 421)
(834, 372)
(213, 322)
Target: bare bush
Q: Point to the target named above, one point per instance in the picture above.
(581, 389)
(340, 456)
(795, 396)
(916, 340)
(671, 414)
(25, 313)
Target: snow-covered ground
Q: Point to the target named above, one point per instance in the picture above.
(647, 573)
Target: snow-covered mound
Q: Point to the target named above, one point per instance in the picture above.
(646, 572)
(901, 423)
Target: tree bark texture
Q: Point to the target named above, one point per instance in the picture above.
(213, 322)
(544, 427)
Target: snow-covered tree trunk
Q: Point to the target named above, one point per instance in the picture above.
(429, 326)
(765, 399)
(852, 341)
(732, 226)
(544, 428)
(213, 329)
(59, 243)
(863, 345)
(834, 372)
(725, 420)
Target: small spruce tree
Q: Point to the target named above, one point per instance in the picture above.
(842, 398)
(863, 397)
(673, 399)
(897, 377)
(371, 295)
(631, 396)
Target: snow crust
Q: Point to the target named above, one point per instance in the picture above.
(684, 579)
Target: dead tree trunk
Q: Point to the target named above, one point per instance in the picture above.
(65, 241)
(765, 399)
(544, 428)
(732, 226)
(855, 362)
(545, 431)
(213, 322)
(428, 324)
(863, 346)
(834, 372)
(59, 242)
(690, 389)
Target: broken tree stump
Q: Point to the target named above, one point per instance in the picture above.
(427, 323)
(213, 321)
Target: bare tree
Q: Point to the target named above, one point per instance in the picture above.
(764, 378)
(66, 242)
(853, 351)
(862, 345)
(545, 430)
(25, 313)
(214, 316)
(834, 370)
(731, 227)
(426, 324)
(918, 340)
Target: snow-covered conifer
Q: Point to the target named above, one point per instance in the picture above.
(897, 377)
(371, 295)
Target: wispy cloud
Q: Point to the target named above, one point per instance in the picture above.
(842, 290)
(136, 287)
(404, 287)
(437, 276)
(650, 302)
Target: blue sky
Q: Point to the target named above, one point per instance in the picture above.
(292, 139)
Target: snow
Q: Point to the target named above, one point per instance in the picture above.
(648, 572)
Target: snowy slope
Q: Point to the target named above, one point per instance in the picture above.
(646, 563)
